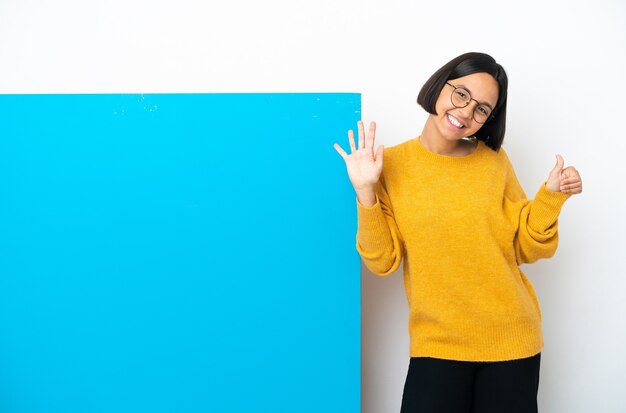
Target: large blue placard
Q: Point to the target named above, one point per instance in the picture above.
(177, 253)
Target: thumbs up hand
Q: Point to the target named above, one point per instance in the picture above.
(565, 180)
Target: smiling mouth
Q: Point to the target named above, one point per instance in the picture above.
(455, 122)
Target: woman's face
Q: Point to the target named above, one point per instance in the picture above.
(455, 123)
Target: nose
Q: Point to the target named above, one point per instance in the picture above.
(468, 111)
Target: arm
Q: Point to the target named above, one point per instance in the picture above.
(378, 239)
(536, 220)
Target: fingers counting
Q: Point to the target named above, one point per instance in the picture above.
(571, 182)
(565, 180)
(363, 165)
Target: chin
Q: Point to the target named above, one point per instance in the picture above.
(455, 134)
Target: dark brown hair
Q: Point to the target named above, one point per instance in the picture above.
(492, 132)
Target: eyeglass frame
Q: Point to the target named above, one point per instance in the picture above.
(493, 110)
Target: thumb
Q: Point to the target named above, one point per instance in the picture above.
(378, 157)
(559, 165)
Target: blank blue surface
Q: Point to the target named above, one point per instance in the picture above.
(177, 253)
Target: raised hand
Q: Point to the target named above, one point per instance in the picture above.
(565, 180)
(363, 165)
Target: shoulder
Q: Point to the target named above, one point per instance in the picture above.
(499, 157)
(398, 156)
(513, 189)
(400, 152)
(400, 148)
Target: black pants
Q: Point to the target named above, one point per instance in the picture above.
(447, 386)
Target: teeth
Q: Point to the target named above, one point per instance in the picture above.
(455, 122)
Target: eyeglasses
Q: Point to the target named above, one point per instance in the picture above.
(461, 97)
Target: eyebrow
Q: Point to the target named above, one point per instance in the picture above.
(470, 92)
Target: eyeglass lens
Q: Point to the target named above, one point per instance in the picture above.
(461, 98)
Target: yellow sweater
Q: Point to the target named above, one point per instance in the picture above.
(462, 225)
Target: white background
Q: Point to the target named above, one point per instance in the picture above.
(566, 62)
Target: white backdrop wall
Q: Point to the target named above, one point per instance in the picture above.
(566, 62)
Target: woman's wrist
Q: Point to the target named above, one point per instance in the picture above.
(366, 197)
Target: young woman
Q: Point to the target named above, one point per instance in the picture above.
(448, 203)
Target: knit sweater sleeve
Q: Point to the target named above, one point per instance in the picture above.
(536, 220)
(378, 238)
